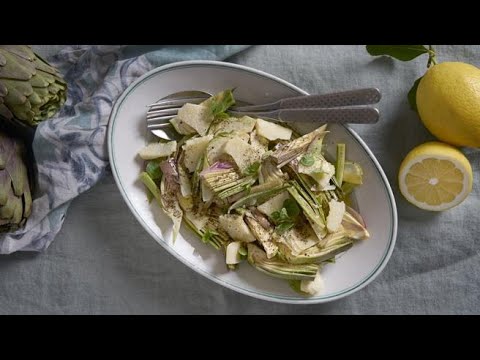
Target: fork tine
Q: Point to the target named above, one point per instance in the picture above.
(175, 103)
(159, 119)
(165, 106)
(161, 125)
(156, 113)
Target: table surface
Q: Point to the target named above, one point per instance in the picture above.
(103, 262)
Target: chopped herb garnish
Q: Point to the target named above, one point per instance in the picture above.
(208, 235)
(221, 102)
(252, 169)
(153, 169)
(283, 227)
(285, 218)
(307, 160)
(292, 208)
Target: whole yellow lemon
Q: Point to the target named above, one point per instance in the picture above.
(448, 102)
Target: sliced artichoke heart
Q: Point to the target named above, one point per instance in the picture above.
(353, 228)
(286, 153)
(198, 220)
(269, 172)
(171, 207)
(309, 210)
(299, 238)
(262, 235)
(220, 179)
(258, 196)
(186, 202)
(227, 182)
(320, 170)
(236, 228)
(353, 173)
(280, 269)
(335, 243)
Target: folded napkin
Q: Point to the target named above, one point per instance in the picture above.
(70, 149)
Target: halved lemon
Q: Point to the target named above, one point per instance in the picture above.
(435, 176)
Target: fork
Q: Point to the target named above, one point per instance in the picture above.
(340, 107)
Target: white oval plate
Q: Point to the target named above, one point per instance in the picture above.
(127, 135)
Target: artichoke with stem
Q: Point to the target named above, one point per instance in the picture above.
(31, 90)
(15, 196)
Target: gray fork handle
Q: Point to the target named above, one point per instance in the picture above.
(339, 99)
(353, 115)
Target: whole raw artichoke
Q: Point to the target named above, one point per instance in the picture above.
(15, 196)
(30, 89)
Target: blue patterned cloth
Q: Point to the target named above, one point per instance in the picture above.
(70, 149)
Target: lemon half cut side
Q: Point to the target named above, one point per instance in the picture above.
(435, 176)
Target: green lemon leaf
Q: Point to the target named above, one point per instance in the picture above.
(400, 52)
(412, 95)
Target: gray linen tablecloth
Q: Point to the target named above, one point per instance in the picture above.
(103, 262)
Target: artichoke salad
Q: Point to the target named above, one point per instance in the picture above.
(257, 191)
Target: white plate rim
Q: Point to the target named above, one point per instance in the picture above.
(268, 297)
